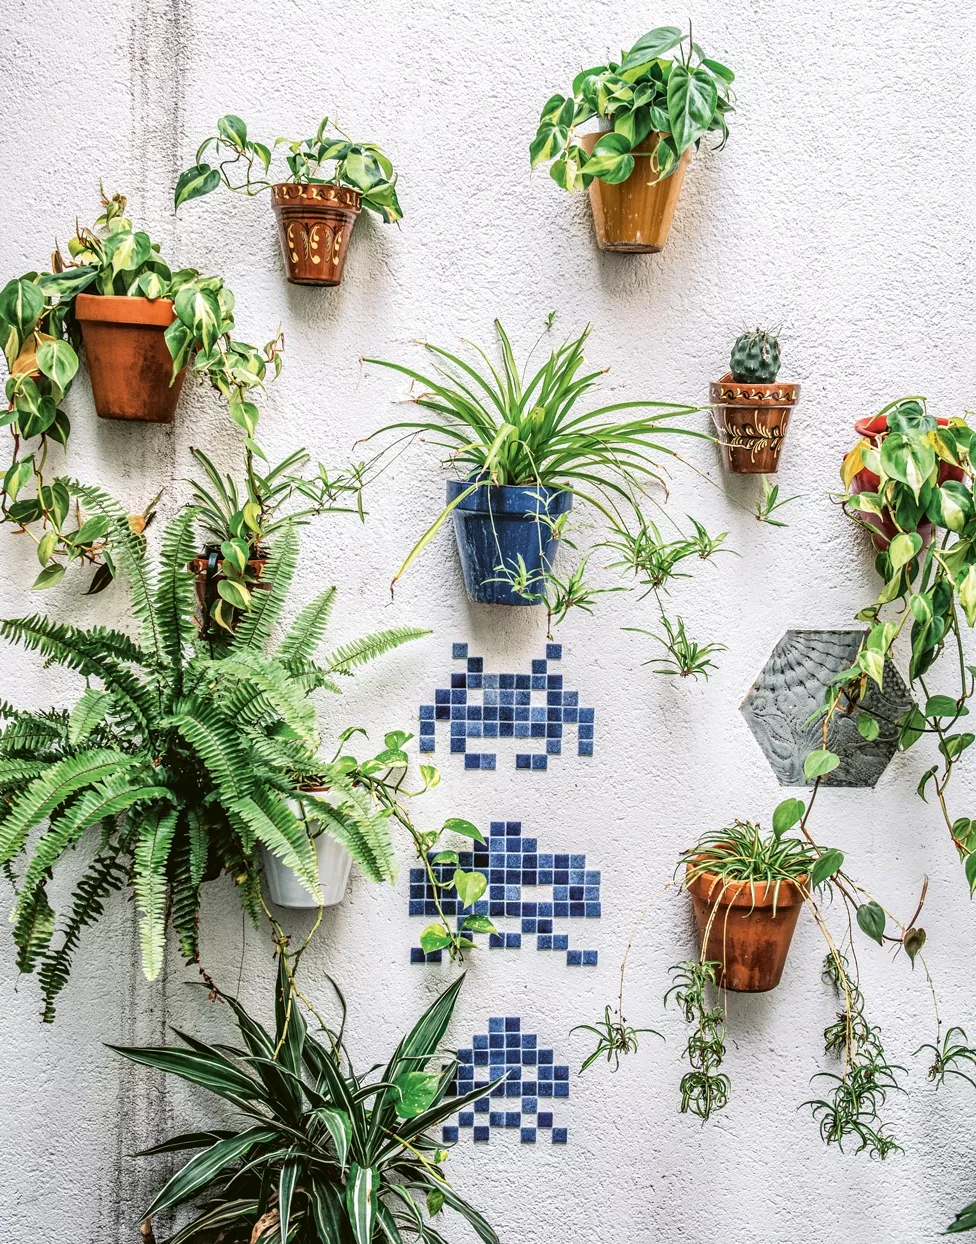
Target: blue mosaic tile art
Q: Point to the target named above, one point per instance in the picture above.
(510, 863)
(532, 707)
(532, 1079)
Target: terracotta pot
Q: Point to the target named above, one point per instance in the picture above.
(635, 215)
(884, 529)
(315, 224)
(206, 579)
(751, 421)
(745, 936)
(128, 358)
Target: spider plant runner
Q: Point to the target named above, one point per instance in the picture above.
(524, 450)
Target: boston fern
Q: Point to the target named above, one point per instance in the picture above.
(323, 1154)
(178, 758)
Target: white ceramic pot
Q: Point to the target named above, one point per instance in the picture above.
(286, 887)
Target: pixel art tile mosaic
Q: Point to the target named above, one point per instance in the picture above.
(533, 707)
(532, 1079)
(511, 863)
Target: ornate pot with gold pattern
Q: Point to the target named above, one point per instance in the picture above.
(751, 422)
(634, 216)
(315, 223)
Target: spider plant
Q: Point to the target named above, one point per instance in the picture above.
(320, 1153)
(518, 426)
(741, 852)
(614, 1037)
(704, 1089)
(682, 656)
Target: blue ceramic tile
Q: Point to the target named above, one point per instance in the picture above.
(459, 651)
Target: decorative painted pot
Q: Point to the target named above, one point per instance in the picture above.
(315, 224)
(128, 358)
(635, 215)
(884, 529)
(495, 525)
(285, 886)
(746, 935)
(751, 421)
(207, 574)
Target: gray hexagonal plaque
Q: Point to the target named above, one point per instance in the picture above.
(791, 686)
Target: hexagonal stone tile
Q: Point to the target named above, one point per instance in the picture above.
(791, 686)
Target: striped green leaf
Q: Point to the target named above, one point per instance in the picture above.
(361, 1188)
(206, 1166)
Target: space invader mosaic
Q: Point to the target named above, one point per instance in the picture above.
(532, 1078)
(510, 863)
(534, 707)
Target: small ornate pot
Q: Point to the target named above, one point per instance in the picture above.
(751, 421)
(315, 223)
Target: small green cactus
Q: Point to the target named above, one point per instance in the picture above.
(755, 358)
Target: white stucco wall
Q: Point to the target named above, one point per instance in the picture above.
(840, 212)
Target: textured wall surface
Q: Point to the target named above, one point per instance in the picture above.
(838, 213)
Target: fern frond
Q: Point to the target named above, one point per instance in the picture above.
(249, 677)
(33, 929)
(173, 601)
(15, 774)
(361, 651)
(129, 553)
(310, 677)
(366, 836)
(151, 885)
(186, 901)
(89, 712)
(272, 822)
(255, 627)
(105, 876)
(212, 738)
(305, 633)
(51, 789)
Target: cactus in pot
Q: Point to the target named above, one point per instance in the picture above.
(755, 358)
(750, 409)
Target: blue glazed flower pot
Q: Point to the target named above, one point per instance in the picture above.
(495, 525)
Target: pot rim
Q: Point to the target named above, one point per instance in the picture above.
(866, 429)
(124, 309)
(741, 893)
(309, 195)
(514, 499)
(728, 392)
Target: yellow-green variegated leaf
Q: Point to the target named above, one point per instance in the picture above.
(196, 181)
(198, 310)
(127, 250)
(57, 360)
(966, 588)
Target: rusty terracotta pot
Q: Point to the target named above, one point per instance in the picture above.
(315, 224)
(207, 576)
(751, 421)
(635, 216)
(128, 358)
(745, 936)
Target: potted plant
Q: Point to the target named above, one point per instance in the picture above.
(654, 112)
(524, 451)
(317, 1153)
(179, 758)
(750, 410)
(316, 212)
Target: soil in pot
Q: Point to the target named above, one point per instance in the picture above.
(751, 421)
(635, 215)
(497, 524)
(747, 935)
(315, 224)
(128, 358)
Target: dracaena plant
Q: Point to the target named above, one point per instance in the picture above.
(678, 100)
(329, 156)
(179, 759)
(41, 340)
(917, 489)
(319, 1152)
(850, 1112)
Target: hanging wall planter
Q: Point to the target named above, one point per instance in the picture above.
(334, 863)
(316, 214)
(634, 216)
(750, 410)
(130, 364)
(499, 530)
(655, 111)
(315, 224)
(749, 927)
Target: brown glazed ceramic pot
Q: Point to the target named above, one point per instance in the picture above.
(128, 358)
(634, 216)
(745, 937)
(751, 421)
(315, 224)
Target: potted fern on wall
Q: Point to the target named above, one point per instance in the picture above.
(181, 758)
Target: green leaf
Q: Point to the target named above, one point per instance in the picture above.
(49, 577)
(470, 886)
(818, 764)
(913, 941)
(455, 825)
(478, 924)
(911, 728)
(195, 182)
(941, 706)
(89, 712)
(233, 130)
(907, 459)
(786, 815)
(435, 1202)
(339, 1127)
(46, 546)
(924, 781)
(867, 727)
(150, 885)
(21, 302)
(200, 1170)
(127, 250)
(692, 100)
(955, 504)
(416, 1092)
(826, 866)
(651, 46)
(955, 745)
(57, 359)
(970, 867)
(610, 159)
(236, 594)
(445, 857)
(434, 937)
(361, 1189)
(198, 310)
(966, 587)
(871, 920)
(903, 548)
